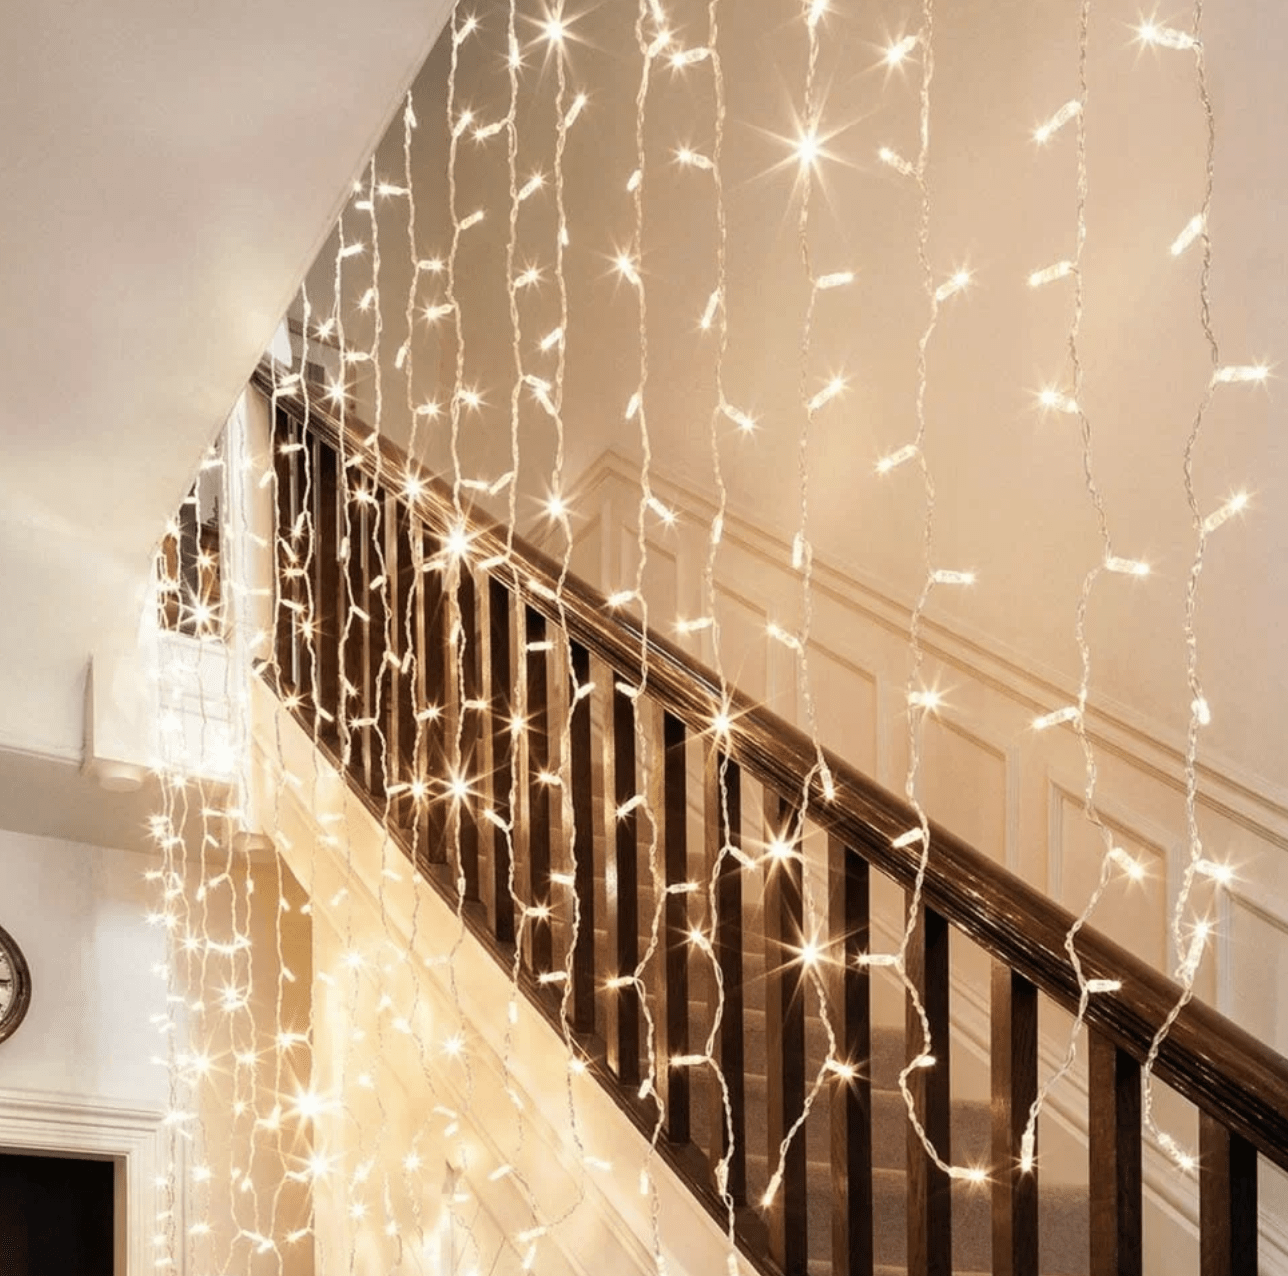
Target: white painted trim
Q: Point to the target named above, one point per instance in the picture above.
(132, 1137)
(1226, 788)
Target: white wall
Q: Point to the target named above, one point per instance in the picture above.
(78, 913)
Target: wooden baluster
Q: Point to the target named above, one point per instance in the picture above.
(727, 943)
(402, 602)
(431, 658)
(541, 946)
(352, 635)
(287, 618)
(1227, 1201)
(189, 546)
(1113, 1088)
(502, 776)
(1014, 1015)
(326, 590)
(467, 694)
(848, 917)
(785, 1036)
(583, 842)
(930, 1202)
(675, 913)
(304, 545)
(626, 846)
(377, 688)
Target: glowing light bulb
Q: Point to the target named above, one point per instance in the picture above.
(896, 53)
(780, 849)
(826, 394)
(1027, 1141)
(1104, 985)
(741, 419)
(626, 268)
(970, 1173)
(1221, 874)
(1051, 273)
(1165, 37)
(466, 29)
(693, 159)
(837, 279)
(666, 514)
(578, 105)
(1193, 229)
(1128, 863)
(929, 700)
(1070, 713)
(808, 149)
(894, 160)
(817, 9)
(687, 57)
(895, 459)
(1058, 402)
(910, 838)
(554, 30)
(1126, 566)
(709, 314)
(955, 284)
(457, 544)
(722, 724)
(1043, 132)
(811, 953)
(1254, 373)
(1236, 503)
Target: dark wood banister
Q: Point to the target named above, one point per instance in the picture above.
(1214, 1063)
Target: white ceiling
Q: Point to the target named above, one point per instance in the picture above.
(167, 174)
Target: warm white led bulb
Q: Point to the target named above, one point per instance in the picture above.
(896, 53)
(1236, 503)
(1165, 37)
(1050, 274)
(1233, 373)
(896, 161)
(1070, 713)
(955, 284)
(1193, 229)
(1067, 112)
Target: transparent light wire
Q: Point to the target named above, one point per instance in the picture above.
(651, 37)
(917, 708)
(803, 560)
(714, 538)
(1096, 499)
(1189, 950)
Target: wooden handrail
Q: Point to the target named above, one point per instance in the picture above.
(1222, 1069)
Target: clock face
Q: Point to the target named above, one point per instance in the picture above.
(15, 985)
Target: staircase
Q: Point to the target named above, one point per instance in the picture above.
(489, 713)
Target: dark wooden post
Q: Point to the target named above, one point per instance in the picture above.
(626, 848)
(727, 941)
(1227, 1201)
(785, 1035)
(583, 841)
(540, 931)
(848, 890)
(502, 776)
(930, 1201)
(1114, 1147)
(1014, 1017)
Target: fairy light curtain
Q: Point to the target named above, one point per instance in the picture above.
(861, 271)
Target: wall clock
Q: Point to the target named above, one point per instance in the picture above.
(15, 985)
